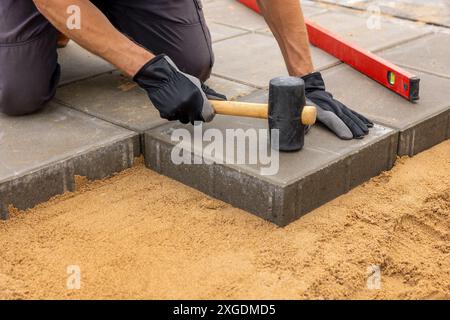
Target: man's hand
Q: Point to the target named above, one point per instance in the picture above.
(177, 95)
(345, 123)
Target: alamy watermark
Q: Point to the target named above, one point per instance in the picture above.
(235, 146)
(373, 277)
(74, 277)
(374, 19)
(73, 22)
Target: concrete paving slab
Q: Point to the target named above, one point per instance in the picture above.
(429, 54)
(421, 125)
(232, 13)
(254, 59)
(77, 63)
(448, 126)
(221, 32)
(41, 153)
(311, 8)
(370, 33)
(434, 12)
(326, 168)
(233, 90)
(116, 99)
(357, 4)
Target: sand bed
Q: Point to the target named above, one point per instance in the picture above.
(142, 235)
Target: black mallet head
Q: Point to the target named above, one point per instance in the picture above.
(286, 102)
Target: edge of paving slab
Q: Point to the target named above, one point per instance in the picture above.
(111, 121)
(423, 135)
(59, 177)
(280, 204)
(420, 134)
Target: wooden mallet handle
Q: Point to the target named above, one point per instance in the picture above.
(257, 110)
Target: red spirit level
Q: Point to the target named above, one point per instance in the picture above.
(386, 73)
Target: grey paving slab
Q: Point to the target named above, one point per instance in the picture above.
(41, 153)
(233, 90)
(448, 126)
(311, 8)
(221, 32)
(326, 168)
(256, 58)
(358, 4)
(116, 99)
(232, 13)
(368, 33)
(435, 12)
(429, 54)
(421, 125)
(77, 63)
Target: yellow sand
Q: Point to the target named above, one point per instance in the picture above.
(142, 235)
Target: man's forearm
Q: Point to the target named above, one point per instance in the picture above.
(286, 21)
(96, 34)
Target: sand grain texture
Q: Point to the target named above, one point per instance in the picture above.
(142, 235)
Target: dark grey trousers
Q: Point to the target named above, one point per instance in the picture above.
(29, 70)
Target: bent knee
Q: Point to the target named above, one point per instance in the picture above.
(197, 64)
(202, 68)
(22, 95)
(29, 74)
(15, 102)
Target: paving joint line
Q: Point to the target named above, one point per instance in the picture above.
(229, 25)
(71, 106)
(425, 71)
(232, 37)
(87, 78)
(436, 24)
(403, 42)
(248, 84)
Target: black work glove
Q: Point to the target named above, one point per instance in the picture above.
(212, 94)
(177, 95)
(344, 122)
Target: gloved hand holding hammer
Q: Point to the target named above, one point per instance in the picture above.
(177, 95)
(140, 43)
(292, 37)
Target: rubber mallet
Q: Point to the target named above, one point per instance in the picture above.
(286, 111)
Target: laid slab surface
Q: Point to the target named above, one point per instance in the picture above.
(233, 90)
(435, 12)
(114, 98)
(221, 32)
(232, 13)
(235, 14)
(117, 99)
(310, 8)
(326, 168)
(77, 63)
(359, 4)
(256, 58)
(371, 33)
(429, 54)
(41, 153)
(422, 124)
